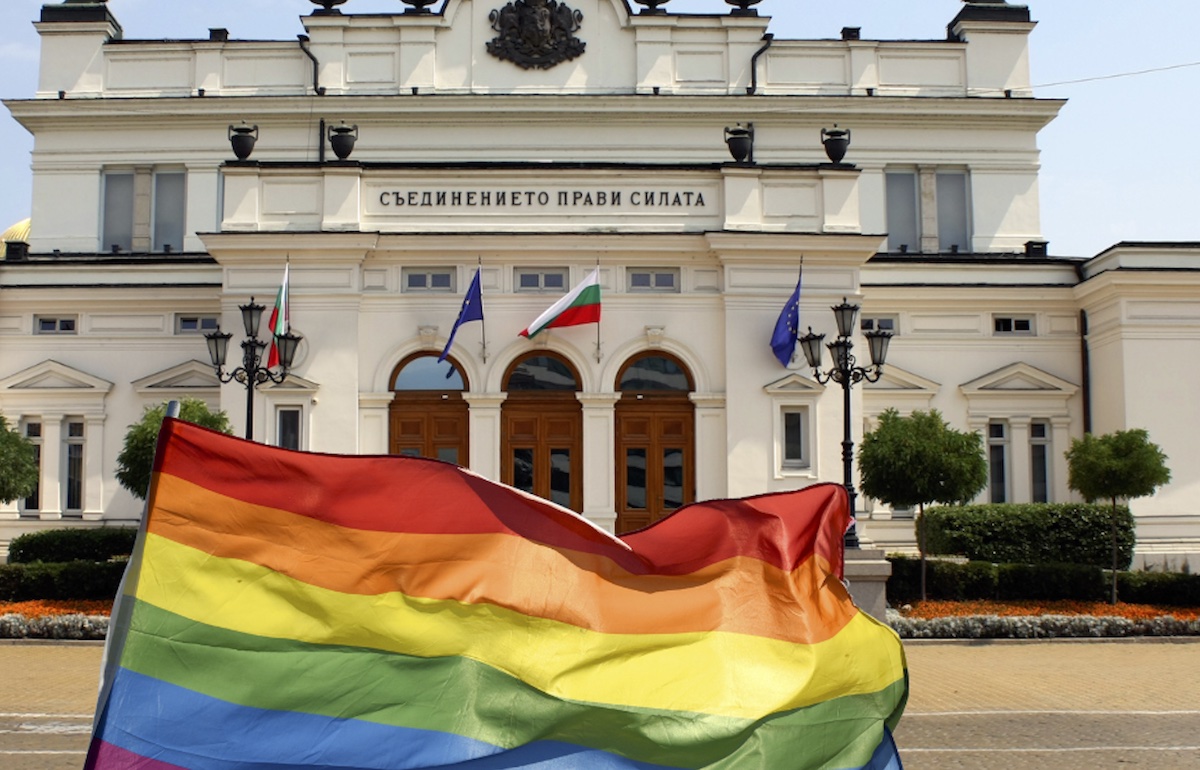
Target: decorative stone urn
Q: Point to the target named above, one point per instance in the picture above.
(741, 143)
(743, 7)
(341, 139)
(652, 6)
(242, 139)
(836, 141)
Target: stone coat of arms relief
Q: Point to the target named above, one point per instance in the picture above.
(536, 34)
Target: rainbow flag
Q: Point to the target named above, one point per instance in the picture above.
(293, 610)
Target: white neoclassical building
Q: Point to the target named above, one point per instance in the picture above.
(534, 141)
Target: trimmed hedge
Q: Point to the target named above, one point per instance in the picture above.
(1031, 533)
(1172, 588)
(63, 545)
(955, 581)
(63, 580)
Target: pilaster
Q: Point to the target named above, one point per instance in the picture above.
(599, 455)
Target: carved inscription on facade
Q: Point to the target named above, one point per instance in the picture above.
(536, 34)
(543, 199)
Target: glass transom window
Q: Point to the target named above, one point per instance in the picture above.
(428, 279)
(541, 279)
(655, 279)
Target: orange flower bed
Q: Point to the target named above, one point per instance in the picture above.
(938, 609)
(48, 608)
(43, 608)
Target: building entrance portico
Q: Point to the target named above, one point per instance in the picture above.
(542, 429)
(428, 416)
(655, 460)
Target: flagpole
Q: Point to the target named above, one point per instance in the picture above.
(482, 321)
(599, 354)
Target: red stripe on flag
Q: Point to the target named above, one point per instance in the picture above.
(576, 316)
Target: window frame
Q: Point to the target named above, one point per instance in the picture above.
(33, 432)
(74, 470)
(280, 411)
(1014, 319)
(802, 464)
(199, 318)
(107, 208)
(869, 322)
(892, 214)
(541, 272)
(429, 273)
(1003, 444)
(653, 273)
(945, 244)
(58, 320)
(158, 236)
(1044, 443)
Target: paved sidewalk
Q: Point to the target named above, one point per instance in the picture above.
(1049, 704)
(1060, 704)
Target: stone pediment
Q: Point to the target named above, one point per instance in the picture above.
(794, 385)
(895, 378)
(294, 384)
(898, 389)
(51, 375)
(1019, 377)
(189, 377)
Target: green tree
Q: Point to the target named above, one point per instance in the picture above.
(18, 464)
(1121, 465)
(919, 459)
(136, 460)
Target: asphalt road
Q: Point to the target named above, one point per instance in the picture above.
(1061, 704)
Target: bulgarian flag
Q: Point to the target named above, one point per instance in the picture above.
(280, 320)
(580, 306)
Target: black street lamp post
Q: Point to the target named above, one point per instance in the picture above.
(252, 372)
(845, 372)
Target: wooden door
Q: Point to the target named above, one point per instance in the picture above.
(542, 447)
(655, 459)
(435, 426)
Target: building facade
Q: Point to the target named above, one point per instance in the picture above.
(535, 141)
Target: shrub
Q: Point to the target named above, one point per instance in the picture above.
(60, 545)
(1049, 582)
(1031, 533)
(65, 580)
(944, 580)
(957, 581)
(1172, 588)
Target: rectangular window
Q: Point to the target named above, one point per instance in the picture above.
(44, 324)
(1020, 325)
(428, 279)
(196, 324)
(903, 212)
(542, 279)
(658, 279)
(1039, 458)
(882, 323)
(170, 211)
(560, 477)
(74, 458)
(795, 442)
(33, 432)
(997, 469)
(287, 427)
(635, 479)
(953, 212)
(116, 234)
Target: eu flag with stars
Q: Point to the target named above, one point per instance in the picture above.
(472, 310)
(787, 328)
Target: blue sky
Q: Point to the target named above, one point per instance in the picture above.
(1121, 162)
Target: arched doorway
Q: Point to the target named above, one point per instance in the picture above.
(428, 416)
(655, 427)
(542, 441)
